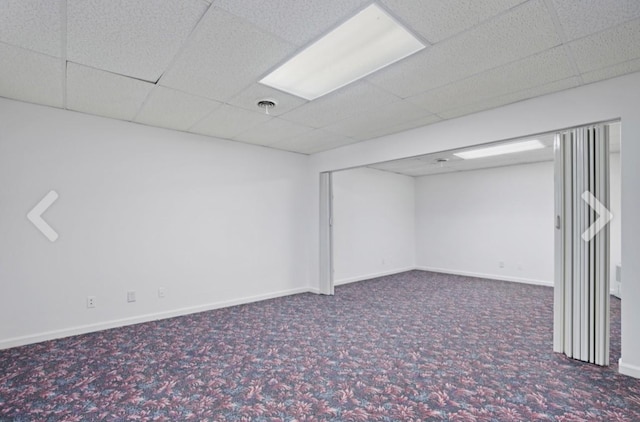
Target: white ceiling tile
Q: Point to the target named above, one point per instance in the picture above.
(225, 55)
(174, 109)
(314, 141)
(612, 71)
(248, 99)
(501, 100)
(407, 163)
(427, 164)
(32, 24)
(363, 124)
(579, 18)
(400, 127)
(440, 19)
(487, 54)
(608, 48)
(132, 38)
(296, 21)
(352, 99)
(29, 76)
(104, 94)
(522, 32)
(540, 69)
(228, 121)
(271, 132)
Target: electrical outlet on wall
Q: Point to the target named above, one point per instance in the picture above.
(131, 296)
(501, 264)
(162, 292)
(91, 301)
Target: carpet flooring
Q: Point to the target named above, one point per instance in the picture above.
(412, 346)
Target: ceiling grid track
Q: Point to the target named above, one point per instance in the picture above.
(184, 44)
(563, 37)
(197, 65)
(173, 60)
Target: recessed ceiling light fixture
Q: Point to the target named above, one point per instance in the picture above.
(367, 42)
(508, 148)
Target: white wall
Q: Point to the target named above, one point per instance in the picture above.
(601, 101)
(212, 221)
(468, 222)
(373, 230)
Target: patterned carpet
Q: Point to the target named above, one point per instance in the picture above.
(414, 346)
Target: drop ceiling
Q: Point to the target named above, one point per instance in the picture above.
(194, 65)
(447, 162)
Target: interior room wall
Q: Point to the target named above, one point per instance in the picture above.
(373, 224)
(601, 101)
(470, 222)
(212, 222)
(492, 223)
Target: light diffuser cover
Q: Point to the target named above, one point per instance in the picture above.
(367, 42)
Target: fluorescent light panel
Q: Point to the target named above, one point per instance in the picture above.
(365, 43)
(500, 149)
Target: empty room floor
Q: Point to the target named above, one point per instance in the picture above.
(412, 346)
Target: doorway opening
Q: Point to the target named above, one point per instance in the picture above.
(508, 197)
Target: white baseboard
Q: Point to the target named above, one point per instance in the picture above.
(370, 276)
(90, 328)
(628, 369)
(489, 276)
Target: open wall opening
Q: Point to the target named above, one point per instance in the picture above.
(490, 217)
(475, 213)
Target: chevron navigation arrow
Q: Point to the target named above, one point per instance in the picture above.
(35, 215)
(604, 216)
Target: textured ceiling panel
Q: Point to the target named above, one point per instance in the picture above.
(271, 132)
(105, 94)
(510, 98)
(523, 31)
(314, 141)
(427, 164)
(612, 71)
(543, 68)
(248, 99)
(296, 21)
(353, 99)
(228, 121)
(132, 38)
(580, 18)
(607, 48)
(399, 127)
(210, 55)
(364, 124)
(32, 24)
(404, 165)
(29, 76)
(225, 55)
(174, 109)
(467, 165)
(440, 19)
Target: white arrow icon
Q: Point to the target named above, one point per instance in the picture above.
(604, 216)
(35, 216)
